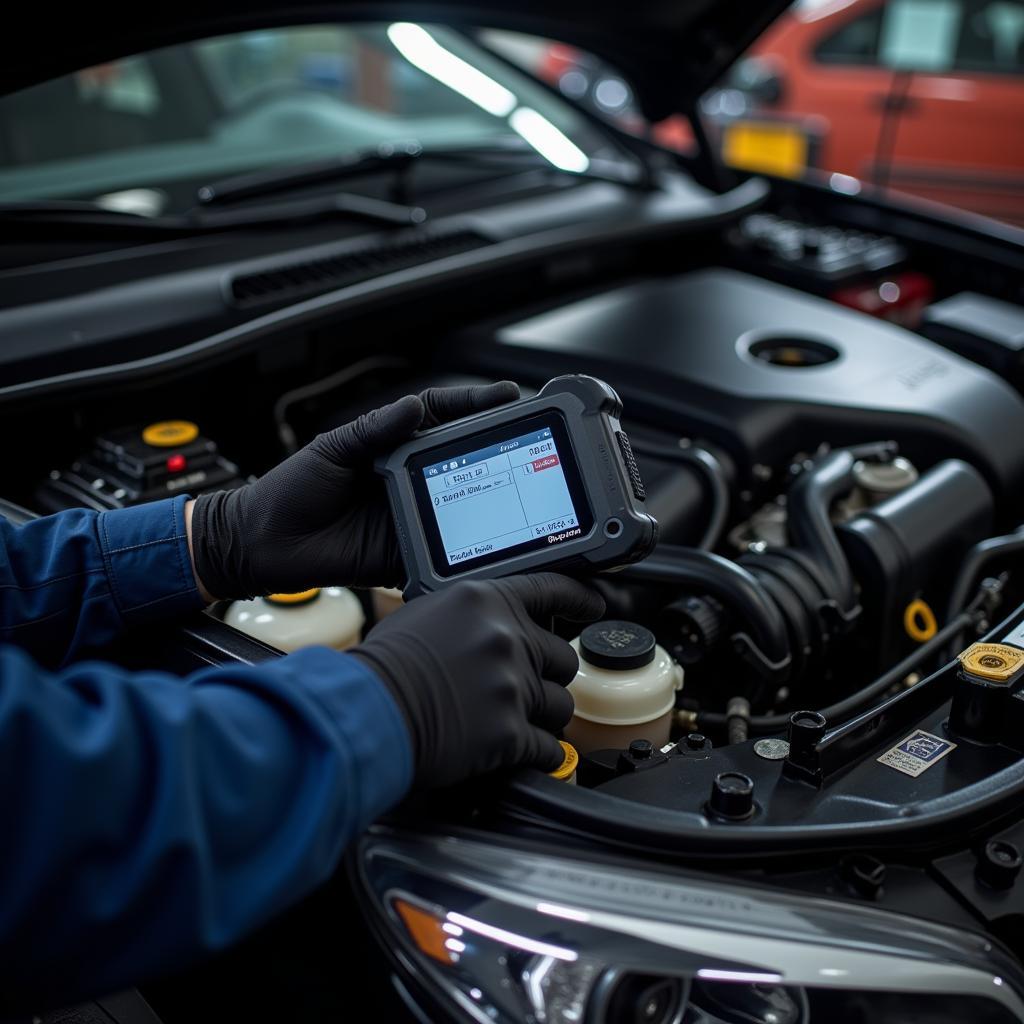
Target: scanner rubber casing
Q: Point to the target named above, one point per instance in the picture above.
(591, 410)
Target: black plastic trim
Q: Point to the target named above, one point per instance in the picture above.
(533, 795)
(664, 217)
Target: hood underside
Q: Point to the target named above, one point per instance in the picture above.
(670, 50)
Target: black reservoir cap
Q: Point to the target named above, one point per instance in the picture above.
(984, 705)
(617, 645)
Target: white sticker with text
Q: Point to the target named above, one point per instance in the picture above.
(917, 753)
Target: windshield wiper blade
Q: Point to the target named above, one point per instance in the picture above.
(399, 156)
(282, 179)
(347, 204)
(82, 218)
(92, 219)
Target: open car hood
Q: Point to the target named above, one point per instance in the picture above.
(670, 50)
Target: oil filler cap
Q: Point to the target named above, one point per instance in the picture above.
(998, 663)
(619, 646)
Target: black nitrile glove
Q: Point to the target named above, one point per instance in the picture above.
(321, 518)
(480, 684)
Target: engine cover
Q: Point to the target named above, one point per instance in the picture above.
(765, 371)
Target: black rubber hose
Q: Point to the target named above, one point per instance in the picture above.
(713, 472)
(726, 581)
(810, 526)
(975, 560)
(843, 709)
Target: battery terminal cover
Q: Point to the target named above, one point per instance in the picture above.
(998, 663)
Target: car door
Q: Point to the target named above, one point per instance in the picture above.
(957, 136)
(825, 59)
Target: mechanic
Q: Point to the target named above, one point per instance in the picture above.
(149, 818)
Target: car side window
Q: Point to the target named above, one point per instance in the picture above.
(992, 39)
(932, 36)
(939, 36)
(855, 43)
(920, 35)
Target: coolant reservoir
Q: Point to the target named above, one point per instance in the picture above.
(332, 617)
(625, 688)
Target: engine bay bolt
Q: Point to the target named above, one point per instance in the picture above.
(863, 874)
(641, 749)
(695, 740)
(999, 864)
(732, 796)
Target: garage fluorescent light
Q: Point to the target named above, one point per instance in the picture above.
(549, 141)
(423, 51)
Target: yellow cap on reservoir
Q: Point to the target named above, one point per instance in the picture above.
(567, 769)
(170, 433)
(302, 597)
(996, 662)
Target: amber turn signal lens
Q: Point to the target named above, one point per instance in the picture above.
(426, 930)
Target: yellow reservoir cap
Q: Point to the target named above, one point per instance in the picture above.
(302, 597)
(567, 769)
(997, 662)
(170, 433)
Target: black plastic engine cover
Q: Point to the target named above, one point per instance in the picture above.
(683, 353)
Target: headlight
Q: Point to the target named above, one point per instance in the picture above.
(506, 935)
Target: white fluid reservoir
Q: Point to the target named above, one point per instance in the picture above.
(625, 689)
(332, 617)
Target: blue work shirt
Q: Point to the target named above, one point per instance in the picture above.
(148, 818)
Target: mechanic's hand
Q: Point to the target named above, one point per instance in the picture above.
(480, 684)
(321, 517)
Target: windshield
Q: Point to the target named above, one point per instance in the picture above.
(143, 133)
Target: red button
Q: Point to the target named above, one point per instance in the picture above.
(175, 463)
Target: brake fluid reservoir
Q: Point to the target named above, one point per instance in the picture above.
(332, 617)
(625, 688)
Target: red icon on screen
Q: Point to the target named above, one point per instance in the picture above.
(546, 463)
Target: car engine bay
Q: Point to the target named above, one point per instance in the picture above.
(838, 490)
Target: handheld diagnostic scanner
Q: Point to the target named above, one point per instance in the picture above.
(547, 482)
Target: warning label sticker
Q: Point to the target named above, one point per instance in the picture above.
(917, 753)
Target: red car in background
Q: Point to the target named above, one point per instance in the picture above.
(923, 96)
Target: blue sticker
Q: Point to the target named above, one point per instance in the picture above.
(924, 746)
(916, 752)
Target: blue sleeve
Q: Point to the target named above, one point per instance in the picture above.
(75, 580)
(149, 819)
